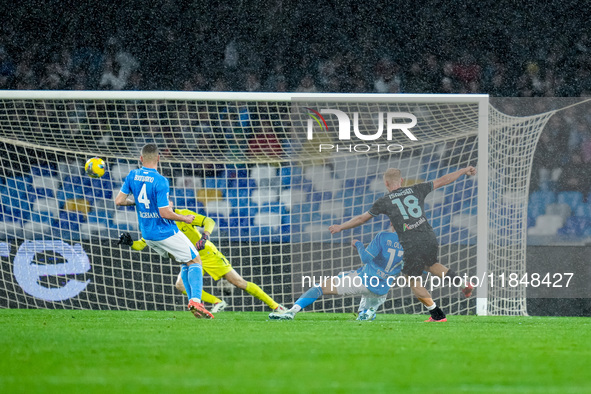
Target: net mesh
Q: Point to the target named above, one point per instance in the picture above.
(512, 142)
(249, 165)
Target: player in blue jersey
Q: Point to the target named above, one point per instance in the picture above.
(157, 223)
(382, 261)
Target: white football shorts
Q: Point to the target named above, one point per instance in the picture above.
(350, 283)
(178, 246)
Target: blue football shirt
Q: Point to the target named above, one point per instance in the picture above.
(382, 258)
(150, 190)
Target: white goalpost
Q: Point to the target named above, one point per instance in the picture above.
(274, 170)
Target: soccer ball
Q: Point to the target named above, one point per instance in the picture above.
(95, 167)
(225, 286)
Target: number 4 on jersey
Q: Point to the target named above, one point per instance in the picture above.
(143, 197)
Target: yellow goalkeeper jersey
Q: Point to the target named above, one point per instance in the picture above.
(191, 231)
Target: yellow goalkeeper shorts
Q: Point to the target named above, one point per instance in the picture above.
(215, 264)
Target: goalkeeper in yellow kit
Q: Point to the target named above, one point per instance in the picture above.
(214, 262)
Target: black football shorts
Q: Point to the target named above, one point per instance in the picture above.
(418, 257)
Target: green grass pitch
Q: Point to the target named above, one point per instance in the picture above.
(47, 351)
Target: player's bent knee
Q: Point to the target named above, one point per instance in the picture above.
(195, 261)
(179, 285)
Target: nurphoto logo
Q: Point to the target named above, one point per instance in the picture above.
(395, 122)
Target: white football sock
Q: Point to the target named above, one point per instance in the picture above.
(296, 308)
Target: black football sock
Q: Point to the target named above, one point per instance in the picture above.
(436, 312)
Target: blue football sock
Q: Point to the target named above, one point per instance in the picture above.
(309, 296)
(195, 277)
(185, 278)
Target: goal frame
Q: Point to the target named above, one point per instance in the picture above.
(482, 100)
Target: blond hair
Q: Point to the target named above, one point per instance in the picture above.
(392, 176)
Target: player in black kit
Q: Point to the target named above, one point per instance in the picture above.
(405, 206)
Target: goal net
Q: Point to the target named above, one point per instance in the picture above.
(274, 171)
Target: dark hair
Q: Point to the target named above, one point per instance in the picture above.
(150, 151)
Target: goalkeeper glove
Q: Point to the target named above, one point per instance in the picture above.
(125, 239)
(201, 243)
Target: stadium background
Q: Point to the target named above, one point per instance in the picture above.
(536, 51)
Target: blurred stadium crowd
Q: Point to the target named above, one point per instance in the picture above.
(346, 46)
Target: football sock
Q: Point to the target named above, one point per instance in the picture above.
(309, 296)
(209, 298)
(257, 292)
(185, 278)
(195, 281)
(436, 312)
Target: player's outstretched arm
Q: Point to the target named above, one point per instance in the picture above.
(207, 223)
(123, 199)
(366, 258)
(354, 222)
(168, 213)
(125, 239)
(140, 244)
(449, 178)
(208, 226)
